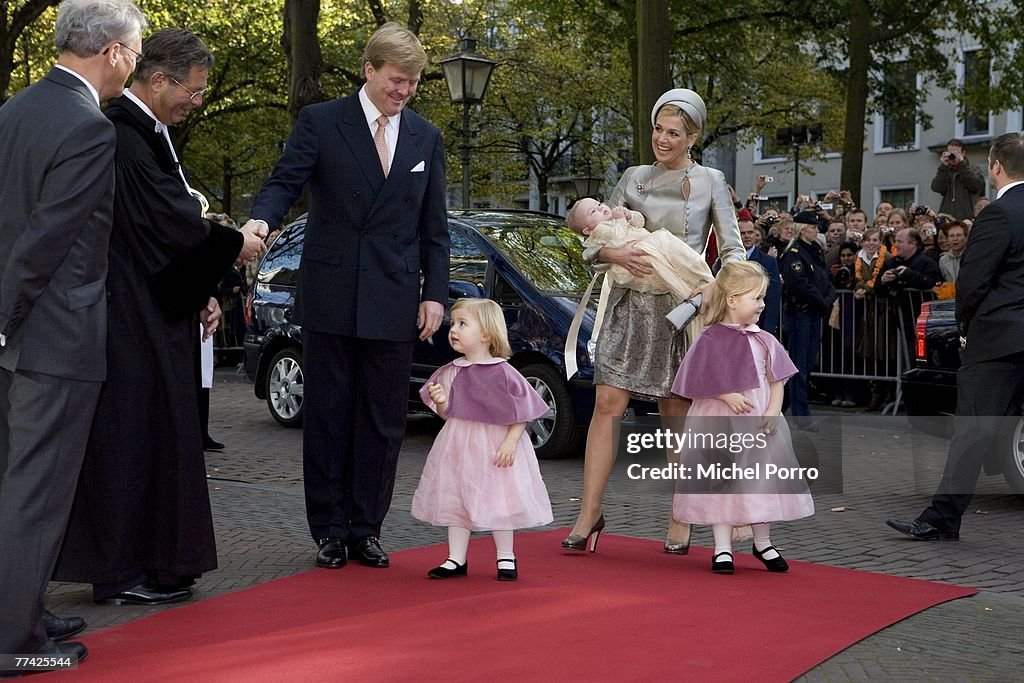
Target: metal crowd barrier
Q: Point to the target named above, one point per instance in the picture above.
(874, 341)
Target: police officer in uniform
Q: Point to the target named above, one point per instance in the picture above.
(808, 295)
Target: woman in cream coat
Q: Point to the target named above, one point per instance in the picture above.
(639, 350)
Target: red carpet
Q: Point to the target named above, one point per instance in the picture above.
(629, 612)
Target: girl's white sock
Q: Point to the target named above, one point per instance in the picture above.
(723, 538)
(762, 540)
(503, 545)
(458, 547)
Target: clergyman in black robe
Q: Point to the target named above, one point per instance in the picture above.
(141, 528)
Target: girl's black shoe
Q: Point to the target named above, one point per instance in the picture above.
(776, 564)
(443, 572)
(508, 574)
(724, 566)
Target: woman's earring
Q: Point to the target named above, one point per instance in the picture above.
(688, 148)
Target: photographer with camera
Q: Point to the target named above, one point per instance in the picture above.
(958, 181)
(907, 280)
(779, 231)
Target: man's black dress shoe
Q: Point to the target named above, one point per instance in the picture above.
(146, 594)
(62, 629)
(332, 553)
(368, 551)
(923, 531)
(211, 445)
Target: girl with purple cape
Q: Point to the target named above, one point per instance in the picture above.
(481, 473)
(734, 374)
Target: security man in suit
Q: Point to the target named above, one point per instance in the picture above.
(807, 298)
(57, 165)
(990, 314)
(377, 220)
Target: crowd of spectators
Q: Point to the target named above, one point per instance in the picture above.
(882, 264)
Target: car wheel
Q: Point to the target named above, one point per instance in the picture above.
(1013, 466)
(554, 434)
(285, 387)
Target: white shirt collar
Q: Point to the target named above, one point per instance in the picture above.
(158, 126)
(161, 128)
(371, 112)
(1007, 187)
(95, 95)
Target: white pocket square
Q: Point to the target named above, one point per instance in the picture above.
(418, 168)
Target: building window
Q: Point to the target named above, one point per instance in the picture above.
(977, 79)
(767, 150)
(900, 197)
(899, 116)
(1014, 121)
(779, 202)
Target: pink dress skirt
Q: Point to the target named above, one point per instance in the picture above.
(763, 499)
(461, 486)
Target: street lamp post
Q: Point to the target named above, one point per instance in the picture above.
(794, 136)
(467, 73)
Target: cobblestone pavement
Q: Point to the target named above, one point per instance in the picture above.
(256, 492)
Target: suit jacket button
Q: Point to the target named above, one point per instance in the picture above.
(355, 194)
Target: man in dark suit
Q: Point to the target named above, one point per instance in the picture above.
(377, 219)
(771, 315)
(56, 161)
(990, 313)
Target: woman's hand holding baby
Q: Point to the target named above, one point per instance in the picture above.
(629, 257)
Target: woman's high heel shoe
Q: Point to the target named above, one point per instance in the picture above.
(673, 547)
(579, 543)
(776, 564)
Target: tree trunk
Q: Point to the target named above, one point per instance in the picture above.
(856, 99)
(226, 199)
(654, 43)
(302, 47)
(542, 195)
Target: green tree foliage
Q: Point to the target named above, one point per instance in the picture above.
(26, 43)
(564, 99)
(863, 41)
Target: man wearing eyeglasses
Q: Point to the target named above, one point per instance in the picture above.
(141, 530)
(56, 162)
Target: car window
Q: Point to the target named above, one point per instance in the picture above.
(468, 263)
(549, 256)
(281, 265)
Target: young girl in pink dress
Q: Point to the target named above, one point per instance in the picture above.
(481, 473)
(734, 374)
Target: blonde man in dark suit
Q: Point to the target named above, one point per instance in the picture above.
(377, 221)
